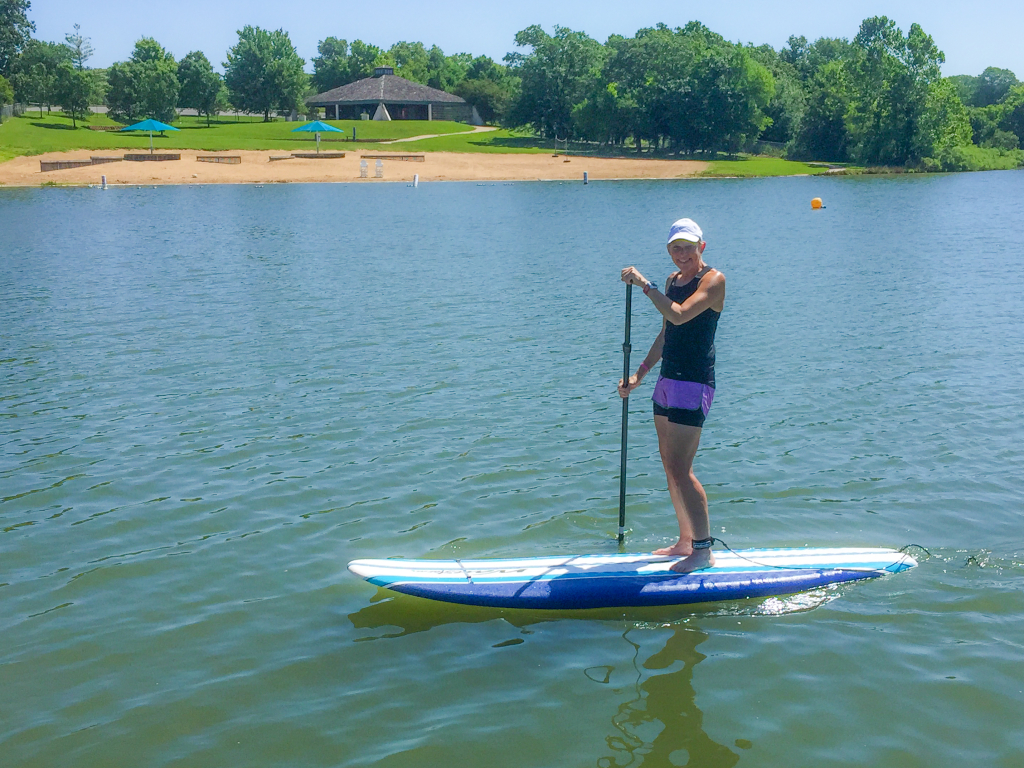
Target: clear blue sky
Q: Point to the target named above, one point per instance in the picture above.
(972, 35)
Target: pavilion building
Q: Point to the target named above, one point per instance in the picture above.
(385, 96)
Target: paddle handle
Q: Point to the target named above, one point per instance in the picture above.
(626, 349)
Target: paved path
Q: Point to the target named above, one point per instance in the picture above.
(476, 129)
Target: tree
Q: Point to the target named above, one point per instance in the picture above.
(606, 115)
(15, 31)
(489, 98)
(263, 72)
(1011, 119)
(411, 61)
(145, 86)
(73, 89)
(6, 91)
(79, 47)
(807, 59)
(489, 87)
(822, 133)
(966, 86)
(993, 86)
(944, 122)
(124, 100)
(892, 75)
(787, 106)
(446, 72)
(35, 70)
(201, 87)
(687, 86)
(330, 67)
(555, 77)
(363, 58)
(727, 100)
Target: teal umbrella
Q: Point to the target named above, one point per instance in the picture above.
(317, 127)
(150, 125)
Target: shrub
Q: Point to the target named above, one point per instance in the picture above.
(1002, 140)
(971, 158)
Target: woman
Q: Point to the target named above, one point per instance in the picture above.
(693, 299)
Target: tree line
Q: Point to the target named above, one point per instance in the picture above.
(876, 99)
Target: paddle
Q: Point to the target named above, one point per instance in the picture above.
(625, 416)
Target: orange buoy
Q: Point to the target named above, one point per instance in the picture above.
(816, 203)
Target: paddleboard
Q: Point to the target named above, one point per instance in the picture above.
(622, 580)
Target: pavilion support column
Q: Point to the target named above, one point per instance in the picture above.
(430, 111)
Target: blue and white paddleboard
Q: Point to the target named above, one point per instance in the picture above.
(618, 581)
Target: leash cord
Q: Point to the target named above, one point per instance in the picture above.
(806, 567)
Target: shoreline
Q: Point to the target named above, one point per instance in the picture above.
(257, 168)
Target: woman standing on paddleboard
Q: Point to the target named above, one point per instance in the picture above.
(691, 304)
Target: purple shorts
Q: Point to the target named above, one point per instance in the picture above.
(683, 402)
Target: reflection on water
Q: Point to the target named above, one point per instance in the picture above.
(399, 615)
(658, 722)
(661, 724)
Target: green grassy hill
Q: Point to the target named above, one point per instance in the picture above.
(31, 134)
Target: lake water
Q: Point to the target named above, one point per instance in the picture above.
(213, 398)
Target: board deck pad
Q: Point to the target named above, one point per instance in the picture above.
(626, 580)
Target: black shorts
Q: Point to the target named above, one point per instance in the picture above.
(682, 416)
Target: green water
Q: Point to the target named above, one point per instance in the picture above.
(213, 398)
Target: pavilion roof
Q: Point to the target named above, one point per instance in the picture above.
(386, 88)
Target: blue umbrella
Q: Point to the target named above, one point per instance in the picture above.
(150, 125)
(317, 127)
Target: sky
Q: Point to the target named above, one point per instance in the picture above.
(973, 36)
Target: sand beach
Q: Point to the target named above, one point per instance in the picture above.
(256, 167)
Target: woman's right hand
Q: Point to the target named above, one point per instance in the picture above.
(632, 276)
(625, 389)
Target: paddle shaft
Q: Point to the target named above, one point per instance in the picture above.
(626, 349)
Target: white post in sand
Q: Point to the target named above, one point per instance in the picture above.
(415, 179)
(103, 182)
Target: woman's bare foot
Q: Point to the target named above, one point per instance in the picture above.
(698, 560)
(681, 548)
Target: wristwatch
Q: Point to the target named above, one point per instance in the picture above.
(648, 287)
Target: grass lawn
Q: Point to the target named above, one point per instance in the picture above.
(32, 135)
(759, 165)
(500, 141)
(512, 142)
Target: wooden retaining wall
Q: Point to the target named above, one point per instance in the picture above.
(320, 156)
(153, 158)
(229, 159)
(412, 158)
(61, 165)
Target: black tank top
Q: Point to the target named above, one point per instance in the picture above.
(689, 352)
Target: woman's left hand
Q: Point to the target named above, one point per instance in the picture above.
(631, 276)
(626, 388)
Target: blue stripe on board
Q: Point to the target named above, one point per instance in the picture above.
(636, 591)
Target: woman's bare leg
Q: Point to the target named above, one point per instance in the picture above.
(678, 445)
